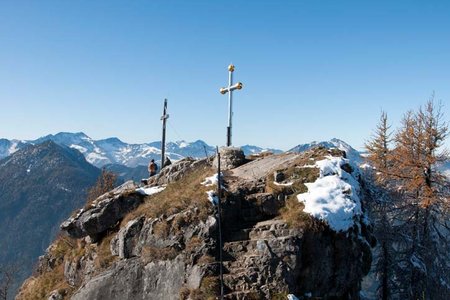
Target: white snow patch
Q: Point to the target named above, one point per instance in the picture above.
(291, 297)
(283, 184)
(366, 166)
(333, 197)
(151, 190)
(183, 144)
(79, 148)
(212, 180)
(212, 197)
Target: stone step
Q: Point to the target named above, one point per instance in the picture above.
(241, 234)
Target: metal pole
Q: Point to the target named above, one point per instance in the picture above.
(230, 107)
(163, 142)
(219, 209)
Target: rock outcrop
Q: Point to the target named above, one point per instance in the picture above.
(104, 212)
(270, 247)
(230, 158)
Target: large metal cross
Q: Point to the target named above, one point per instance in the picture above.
(230, 90)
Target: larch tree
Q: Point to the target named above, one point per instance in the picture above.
(417, 211)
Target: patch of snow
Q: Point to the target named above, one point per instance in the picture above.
(291, 297)
(212, 197)
(151, 190)
(79, 148)
(210, 181)
(366, 166)
(95, 158)
(183, 144)
(13, 147)
(333, 197)
(283, 184)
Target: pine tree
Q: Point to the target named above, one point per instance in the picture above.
(378, 148)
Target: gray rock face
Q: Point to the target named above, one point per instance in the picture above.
(123, 243)
(132, 279)
(176, 171)
(104, 213)
(230, 158)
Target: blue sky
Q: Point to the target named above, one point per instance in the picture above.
(312, 70)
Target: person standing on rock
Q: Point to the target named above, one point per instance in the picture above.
(152, 168)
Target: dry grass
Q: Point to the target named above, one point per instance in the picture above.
(193, 244)
(206, 260)
(104, 257)
(41, 286)
(179, 195)
(209, 290)
(150, 254)
(294, 215)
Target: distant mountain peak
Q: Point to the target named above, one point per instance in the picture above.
(351, 153)
(114, 151)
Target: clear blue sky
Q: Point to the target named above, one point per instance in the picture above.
(312, 70)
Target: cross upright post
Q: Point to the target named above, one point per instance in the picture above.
(229, 89)
(164, 118)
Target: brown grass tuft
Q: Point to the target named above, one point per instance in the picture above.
(178, 196)
(150, 254)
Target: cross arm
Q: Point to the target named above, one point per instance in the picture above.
(236, 86)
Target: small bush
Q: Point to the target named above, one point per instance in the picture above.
(105, 183)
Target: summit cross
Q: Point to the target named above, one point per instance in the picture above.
(229, 89)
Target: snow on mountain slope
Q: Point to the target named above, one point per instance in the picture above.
(113, 150)
(351, 153)
(8, 147)
(250, 149)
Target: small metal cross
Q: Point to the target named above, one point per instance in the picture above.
(230, 90)
(164, 118)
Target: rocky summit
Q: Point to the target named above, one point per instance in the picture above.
(292, 226)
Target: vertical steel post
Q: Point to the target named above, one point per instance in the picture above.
(164, 117)
(229, 89)
(219, 209)
(230, 106)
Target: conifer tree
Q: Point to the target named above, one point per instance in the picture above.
(417, 210)
(378, 148)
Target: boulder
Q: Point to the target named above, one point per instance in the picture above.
(177, 170)
(230, 158)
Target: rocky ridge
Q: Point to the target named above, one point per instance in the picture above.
(161, 241)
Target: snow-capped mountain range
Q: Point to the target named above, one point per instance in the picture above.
(114, 151)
